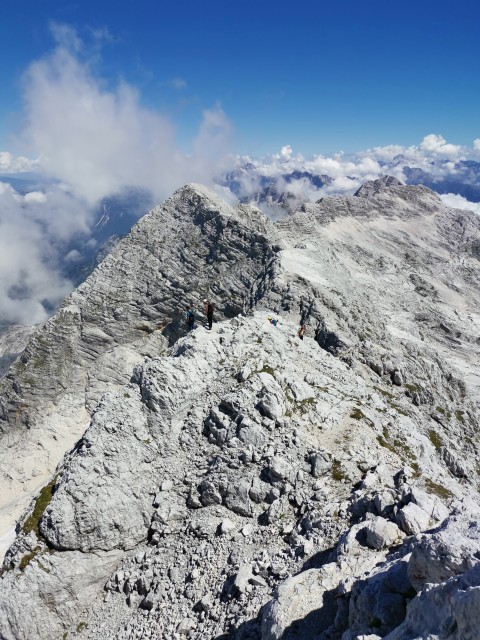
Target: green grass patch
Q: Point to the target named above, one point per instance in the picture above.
(386, 444)
(435, 439)
(81, 626)
(397, 408)
(459, 415)
(440, 410)
(399, 447)
(337, 473)
(411, 387)
(32, 523)
(27, 558)
(357, 414)
(385, 394)
(416, 469)
(437, 489)
(267, 369)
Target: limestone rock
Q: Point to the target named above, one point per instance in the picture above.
(413, 519)
(382, 533)
(311, 454)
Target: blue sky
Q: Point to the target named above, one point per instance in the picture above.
(99, 95)
(321, 77)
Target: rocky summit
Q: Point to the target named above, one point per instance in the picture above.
(243, 482)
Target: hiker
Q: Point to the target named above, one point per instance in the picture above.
(208, 310)
(272, 321)
(301, 331)
(190, 317)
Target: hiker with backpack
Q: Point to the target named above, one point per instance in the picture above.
(301, 331)
(190, 317)
(208, 310)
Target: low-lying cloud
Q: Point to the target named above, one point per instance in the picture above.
(434, 160)
(33, 230)
(455, 201)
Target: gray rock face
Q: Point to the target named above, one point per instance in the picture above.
(133, 305)
(450, 551)
(13, 339)
(382, 533)
(100, 501)
(242, 482)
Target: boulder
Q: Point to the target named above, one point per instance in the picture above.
(381, 533)
(412, 519)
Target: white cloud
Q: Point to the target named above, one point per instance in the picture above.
(437, 145)
(433, 154)
(285, 153)
(65, 37)
(212, 141)
(99, 140)
(32, 232)
(35, 196)
(93, 141)
(10, 164)
(178, 83)
(459, 202)
(73, 256)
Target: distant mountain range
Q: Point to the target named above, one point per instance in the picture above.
(464, 181)
(281, 190)
(277, 187)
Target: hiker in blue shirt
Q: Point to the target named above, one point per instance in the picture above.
(190, 317)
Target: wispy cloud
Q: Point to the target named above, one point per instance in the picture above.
(178, 83)
(99, 139)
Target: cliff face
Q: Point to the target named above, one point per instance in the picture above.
(242, 482)
(132, 306)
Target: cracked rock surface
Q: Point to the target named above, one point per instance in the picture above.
(240, 482)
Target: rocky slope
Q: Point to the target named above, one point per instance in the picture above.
(132, 305)
(13, 339)
(242, 483)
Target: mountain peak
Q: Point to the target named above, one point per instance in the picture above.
(372, 187)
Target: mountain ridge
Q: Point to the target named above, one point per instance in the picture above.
(250, 450)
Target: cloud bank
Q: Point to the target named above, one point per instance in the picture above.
(455, 201)
(33, 230)
(434, 162)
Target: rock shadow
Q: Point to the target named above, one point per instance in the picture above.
(319, 559)
(316, 622)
